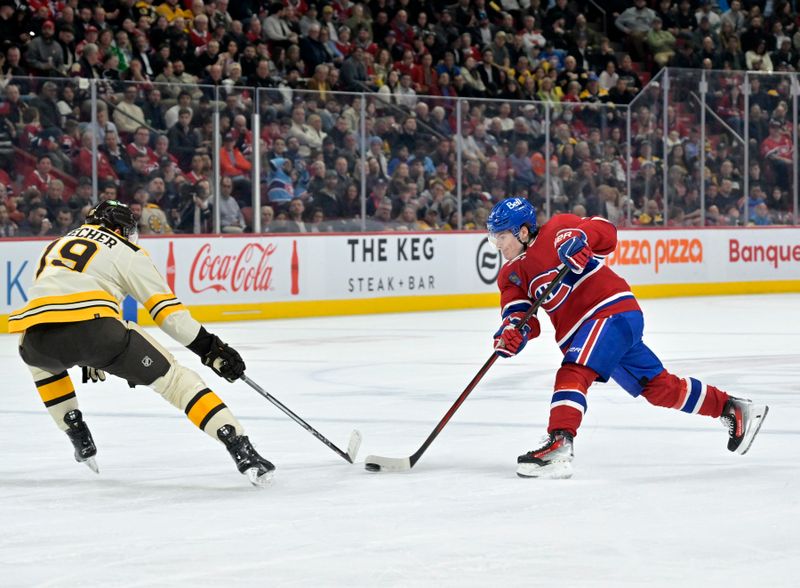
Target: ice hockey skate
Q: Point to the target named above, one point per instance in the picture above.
(552, 459)
(743, 420)
(257, 469)
(81, 438)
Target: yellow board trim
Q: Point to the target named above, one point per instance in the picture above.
(208, 402)
(307, 308)
(56, 389)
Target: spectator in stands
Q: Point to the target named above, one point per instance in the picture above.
(117, 156)
(44, 55)
(128, 116)
(295, 212)
(41, 177)
(231, 217)
(36, 223)
(234, 165)
(636, 22)
(758, 58)
(777, 149)
(354, 72)
(54, 198)
(64, 222)
(267, 216)
(8, 228)
(138, 177)
(183, 140)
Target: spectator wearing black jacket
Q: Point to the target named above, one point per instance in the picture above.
(183, 141)
(312, 51)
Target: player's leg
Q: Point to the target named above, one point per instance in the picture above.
(641, 373)
(591, 354)
(142, 360)
(57, 391)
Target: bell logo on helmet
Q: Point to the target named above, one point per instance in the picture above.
(511, 215)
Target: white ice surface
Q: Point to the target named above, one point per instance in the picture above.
(656, 500)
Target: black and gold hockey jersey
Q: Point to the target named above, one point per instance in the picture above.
(88, 272)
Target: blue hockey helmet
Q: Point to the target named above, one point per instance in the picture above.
(511, 214)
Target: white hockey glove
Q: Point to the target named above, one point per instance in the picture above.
(93, 374)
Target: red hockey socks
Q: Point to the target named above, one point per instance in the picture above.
(569, 399)
(685, 394)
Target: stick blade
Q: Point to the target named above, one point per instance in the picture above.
(354, 445)
(375, 463)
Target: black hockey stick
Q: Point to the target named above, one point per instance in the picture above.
(355, 436)
(375, 463)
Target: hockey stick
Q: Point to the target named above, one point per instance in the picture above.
(355, 436)
(375, 463)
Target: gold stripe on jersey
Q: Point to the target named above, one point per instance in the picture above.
(160, 306)
(56, 389)
(69, 308)
(203, 406)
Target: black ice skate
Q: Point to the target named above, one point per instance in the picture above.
(81, 438)
(743, 420)
(257, 469)
(552, 459)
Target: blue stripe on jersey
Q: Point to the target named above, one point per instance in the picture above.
(694, 396)
(521, 307)
(570, 395)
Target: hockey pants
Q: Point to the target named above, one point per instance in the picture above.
(124, 350)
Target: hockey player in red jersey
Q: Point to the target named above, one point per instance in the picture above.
(598, 326)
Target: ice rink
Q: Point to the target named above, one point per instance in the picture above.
(656, 499)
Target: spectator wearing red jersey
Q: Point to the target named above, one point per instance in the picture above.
(777, 149)
(424, 76)
(105, 171)
(403, 30)
(141, 146)
(40, 177)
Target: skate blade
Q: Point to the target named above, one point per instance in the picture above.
(91, 464)
(262, 481)
(557, 470)
(758, 414)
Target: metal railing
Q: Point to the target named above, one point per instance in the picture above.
(688, 135)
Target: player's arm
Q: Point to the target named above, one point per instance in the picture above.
(146, 284)
(582, 239)
(510, 338)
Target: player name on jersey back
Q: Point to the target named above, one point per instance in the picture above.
(104, 237)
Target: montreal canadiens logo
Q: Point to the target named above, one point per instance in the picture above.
(540, 283)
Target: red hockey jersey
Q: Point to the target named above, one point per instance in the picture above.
(597, 292)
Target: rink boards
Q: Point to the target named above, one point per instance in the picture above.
(246, 277)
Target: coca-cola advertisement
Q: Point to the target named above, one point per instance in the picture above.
(249, 269)
(254, 270)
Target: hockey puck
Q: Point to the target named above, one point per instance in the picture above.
(372, 467)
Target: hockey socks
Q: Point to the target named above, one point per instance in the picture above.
(568, 404)
(685, 394)
(57, 392)
(185, 390)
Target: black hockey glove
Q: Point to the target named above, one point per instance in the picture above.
(93, 374)
(220, 357)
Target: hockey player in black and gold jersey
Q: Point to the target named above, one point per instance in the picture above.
(73, 319)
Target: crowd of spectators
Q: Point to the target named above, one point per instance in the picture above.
(160, 69)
